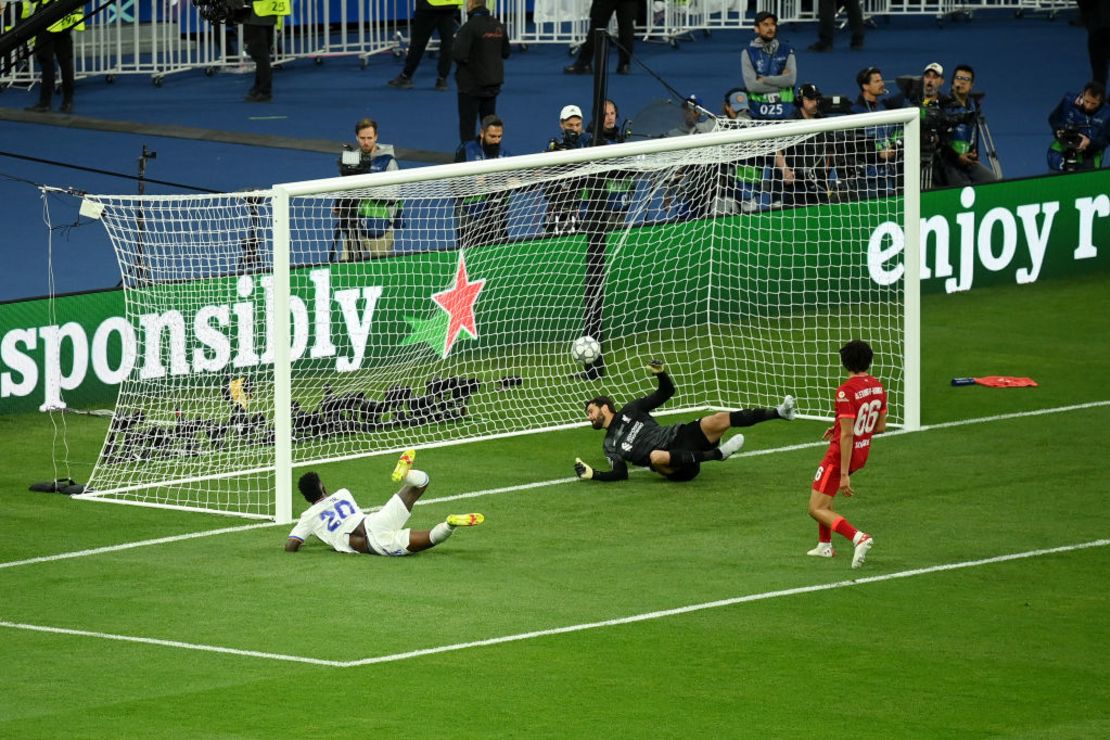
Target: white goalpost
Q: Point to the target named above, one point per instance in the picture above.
(335, 319)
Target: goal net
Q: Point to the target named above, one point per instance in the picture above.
(335, 319)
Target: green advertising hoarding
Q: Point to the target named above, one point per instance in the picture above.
(1005, 233)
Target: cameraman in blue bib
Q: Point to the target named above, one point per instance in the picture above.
(483, 218)
(1081, 129)
(366, 225)
(565, 197)
(960, 154)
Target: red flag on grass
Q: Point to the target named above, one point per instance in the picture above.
(1006, 381)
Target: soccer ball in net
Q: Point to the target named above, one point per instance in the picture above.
(585, 350)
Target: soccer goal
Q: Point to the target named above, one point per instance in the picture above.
(335, 319)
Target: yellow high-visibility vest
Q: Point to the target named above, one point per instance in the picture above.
(263, 8)
(75, 20)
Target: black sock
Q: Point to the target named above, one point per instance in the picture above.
(686, 458)
(748, 417)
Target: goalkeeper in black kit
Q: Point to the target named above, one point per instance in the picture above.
(675, 451)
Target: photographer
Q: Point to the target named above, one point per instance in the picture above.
(802, 171)
(1081, 127)
(879, 163)
(366, 225)
(960, 153)
(924, 92)
(564, 198)
(483, 218)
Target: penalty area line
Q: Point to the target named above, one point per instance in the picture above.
(616, 622)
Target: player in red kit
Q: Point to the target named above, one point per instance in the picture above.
(860, 413)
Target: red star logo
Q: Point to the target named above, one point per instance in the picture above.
(458, 301)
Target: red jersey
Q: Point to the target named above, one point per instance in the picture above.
(860, 401)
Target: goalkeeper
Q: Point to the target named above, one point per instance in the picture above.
(675, 451)
(337, 521)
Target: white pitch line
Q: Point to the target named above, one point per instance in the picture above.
(169, 643)
(644, 617)
(538, 484)
(131, 545)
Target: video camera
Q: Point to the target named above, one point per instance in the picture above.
(354, 161)
(834, 105)
(568, 140)
(1070, 138)
(940, 123)
(222, 11)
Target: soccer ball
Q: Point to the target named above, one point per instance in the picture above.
(585, 350)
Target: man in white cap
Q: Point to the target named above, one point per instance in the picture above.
(564, 196)
(572, 137)
(933, 124)
(932, 79)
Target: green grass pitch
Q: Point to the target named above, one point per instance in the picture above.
(1013, 647)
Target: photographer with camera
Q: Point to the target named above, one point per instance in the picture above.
(483, 218)
(960, 152)
(924, 92)
(1081, 129)
(881, 160)
(564, 198)
(802, 171)
(366, 225)
(932, 80)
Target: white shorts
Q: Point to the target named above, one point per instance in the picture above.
(385, 530)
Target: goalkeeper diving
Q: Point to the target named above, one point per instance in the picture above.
(675, 451)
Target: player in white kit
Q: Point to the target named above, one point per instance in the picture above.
(337, 520)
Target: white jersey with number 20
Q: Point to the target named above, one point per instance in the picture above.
(330, 519)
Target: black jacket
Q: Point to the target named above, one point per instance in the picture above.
(480, 48)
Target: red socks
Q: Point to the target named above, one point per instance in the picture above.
(824, 533)
(841, 526)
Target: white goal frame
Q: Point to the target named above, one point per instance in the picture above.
(281, 201)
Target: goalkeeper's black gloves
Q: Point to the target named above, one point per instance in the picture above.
(582, 470)
(656, 366)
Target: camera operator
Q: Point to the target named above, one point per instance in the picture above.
(924, 92)
(801, 171)
(737, 107)
(367, 224)
(1081, 129)
(960, 153)
(483, 218)
(881, 159)
(564, 198)
(932, 80)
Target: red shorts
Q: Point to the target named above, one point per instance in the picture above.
(827, 478)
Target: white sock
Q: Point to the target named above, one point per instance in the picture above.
(417, 478)
(440, 532)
